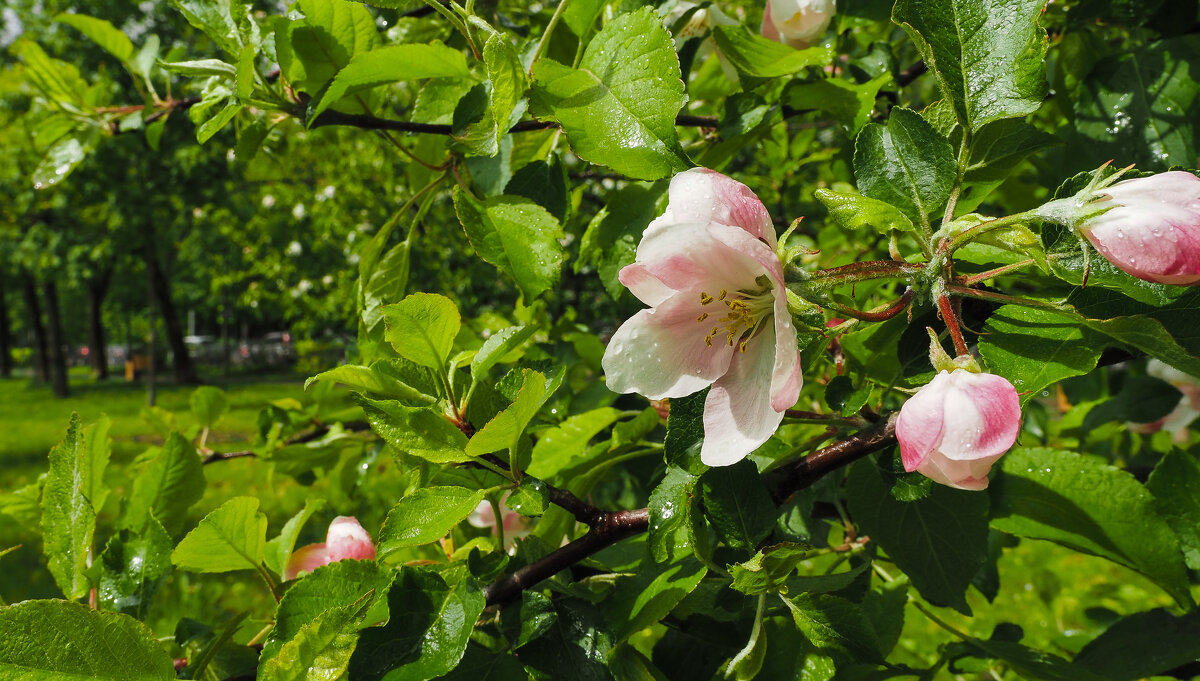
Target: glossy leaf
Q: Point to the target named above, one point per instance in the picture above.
(516, 235)
(1173, 483)
(167, 487)
(756, 56)
(279, 549)
(618, 108)
(835, 626)
(1143, 644)
(1035, 348)
(907, 164)
(1091, 507)
(503, 431)
(392, 64)
(853, 212)
(737, 504)
(101, 32)
(131, 568)
(420, 431)
(74, 483)
(232, 537)
(425, 516)
(421, 328)
(321, 649)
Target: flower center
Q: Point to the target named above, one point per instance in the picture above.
(745, 311)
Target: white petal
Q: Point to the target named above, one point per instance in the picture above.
(738, 416)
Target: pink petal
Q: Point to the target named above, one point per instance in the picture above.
(1153, 233)
(306, 559)
(969, 475)
(703, 196)
(738, 416)
(347, 539)
(689, 257)
(750, 248)
(768, 25)
(922, 418)
(662, 352)
(983, 416)
(786, 377)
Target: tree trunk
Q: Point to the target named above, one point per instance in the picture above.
(41, 358)
(5, 338)
(97, 290)
(185, 371)
(54, 337)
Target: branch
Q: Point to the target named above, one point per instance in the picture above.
(607, 528)
(911, 73)
(367, 122)
(315, 434)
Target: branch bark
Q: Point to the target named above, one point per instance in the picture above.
(366, 122)
(608, 527)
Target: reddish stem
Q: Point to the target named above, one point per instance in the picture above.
(951, 318)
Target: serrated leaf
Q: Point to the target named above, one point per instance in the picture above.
(642, 600)
(420, 431)
(987, 56)
(939, 541)
(167, 487)
(849, 103)
(427, 633)
(756, 56)
(131, 568)
(527, 618)
(516, 235)
(378, 379)
(68, 517)
(853, 212)
(321, 650)
(227, 22)
(611, 239)
(1171, 332)
(503, 431)
(331, 33)
(232, 537)
(392, 64)
(421, 328)
(618, 108)
(426, 516)
(685, 433)
(200, 68)
(1173, 483)
(56, 640)
(737, 504)
(561, 447)
(1090, 507)
(836, 627)
(338, 584)
(497, 347)
(769, 569)
(100, 32)
(1035, 348)
(907, 164)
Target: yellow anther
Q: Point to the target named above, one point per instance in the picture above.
(742, 346)
(702, 317)
(705, 299)
(723, 294)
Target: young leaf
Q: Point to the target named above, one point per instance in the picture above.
(392, 64)
(1090, 507)
(131, 568)
(378, 379)
(232, 537)
(331, 33)
(618, 108)
(420, 431)
(208, 405)
(422, 328)
(506, 427)
(60, 640)
(642, 600)
(279, 549)
(425, 516)
(497, 347)
(987, 56)
(756, 56)
(68, 515)
(836, 627)
(516, 235)
(675, 517)
(738, 505)
(427, 634)
(100, 32)
(322, 648)
(907, 164)
(167, 487)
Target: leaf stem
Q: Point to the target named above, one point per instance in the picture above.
(544, 41)
(950, 317)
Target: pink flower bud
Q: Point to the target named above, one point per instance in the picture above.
(1153, 230)
(957, 426)
(797, 22)
(346, 539)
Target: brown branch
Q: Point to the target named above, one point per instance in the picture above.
(911, 73)
(608, 528)
(367, 122)
(315, 434)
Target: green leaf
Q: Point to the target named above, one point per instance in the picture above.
(939, 541)
(167, 487)
(503, 431)
(131, 568)
(420, 431)
(769, 569)
(232, 537)
(737, 504)
(1173, 483)
(642, 600)
(336, 585)
(562, 447)
(59, 161)
(618, 108)
(100, 32)
(1090, 507)
(849, 103)
(543, 183)
(530, 498)
(611, 239)
(427, 634)
(1142, 399)
(201, 68)
(836, 627)
(505, 87)
(1035, 348)
(498, 347)
(853, 212)
(425, 516)
(527, 618)
(1143, 644)
(1171, 333)
(227, 22)
(279, 549)
(58, 80)
(988, 57)
(68, 515)
(516, 235)
(748, 662)
(1000, 146)
(480, 664)
(392, 64)
(331, 33)
(208, 405)
(675, 517)
(907, 164)
(56, 640)
(1131, 108)
(422, 327)
(1034, 664)
(756, 56)
(321, 649)
(215, 124)
(379, 379)
(685, 433)
(576, 647)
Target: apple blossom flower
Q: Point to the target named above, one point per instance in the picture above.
(515, 524)
(718, 316)
(797, 22)
(345, 540)
(957, 426)
(1185, 411)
